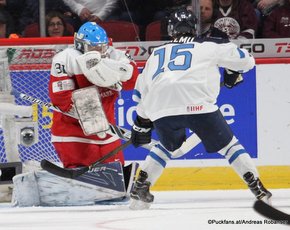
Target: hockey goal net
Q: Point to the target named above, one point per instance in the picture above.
(25, 68)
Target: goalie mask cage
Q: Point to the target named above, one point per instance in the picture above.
(25, 67)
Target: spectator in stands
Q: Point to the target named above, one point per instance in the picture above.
(30, 13)
(94, 11)
(6, 23)
(266, 6)
(262, 9)
(56, 25)
(277, 24)
(237, 18)
(206, 18)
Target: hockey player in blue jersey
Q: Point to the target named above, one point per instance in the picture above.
(178, 89)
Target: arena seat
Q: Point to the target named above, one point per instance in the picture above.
(153, 31)
(32, 30)
(121, 31)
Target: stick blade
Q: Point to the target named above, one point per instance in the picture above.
(271, 212)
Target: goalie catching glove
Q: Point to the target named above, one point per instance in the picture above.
(104, 72)
(232, 78)
(141, 131)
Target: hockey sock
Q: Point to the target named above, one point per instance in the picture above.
(155, 163)
(239, 159)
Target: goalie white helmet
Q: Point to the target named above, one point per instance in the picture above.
(91, 37)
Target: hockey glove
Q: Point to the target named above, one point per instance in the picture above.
(141, 131)
(232, 78)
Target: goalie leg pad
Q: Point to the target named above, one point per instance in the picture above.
(104, 182)
(25, 190)
(89, 107)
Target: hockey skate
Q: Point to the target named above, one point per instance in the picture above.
(257, 188)
(141, 198)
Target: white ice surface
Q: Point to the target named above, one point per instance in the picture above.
(171, 210)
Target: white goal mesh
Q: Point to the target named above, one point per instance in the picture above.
(29, 68)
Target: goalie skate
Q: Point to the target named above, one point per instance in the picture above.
(141, 198)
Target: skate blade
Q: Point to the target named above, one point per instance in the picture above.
(138, 205)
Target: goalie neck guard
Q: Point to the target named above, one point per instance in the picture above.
(182, 22)
(91, 37)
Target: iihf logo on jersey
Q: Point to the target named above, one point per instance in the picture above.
(194, 108)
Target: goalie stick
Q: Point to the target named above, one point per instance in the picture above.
(271, 212)
(73, 173)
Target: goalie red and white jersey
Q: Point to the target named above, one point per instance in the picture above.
(184, 78)
(66, 76)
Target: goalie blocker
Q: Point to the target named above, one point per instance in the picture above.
(104, 182)
(88, 105)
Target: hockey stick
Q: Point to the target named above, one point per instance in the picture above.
(271, 212)
(114, 130)
(73, 173)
